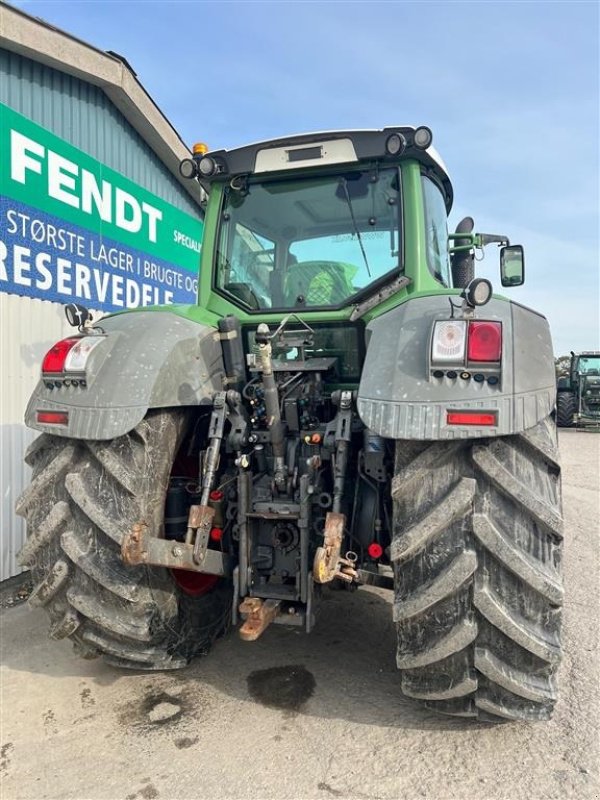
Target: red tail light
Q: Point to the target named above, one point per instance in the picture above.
(70, 355)
(484, 341)
(471, 418)
(53, 417)
(54, 360)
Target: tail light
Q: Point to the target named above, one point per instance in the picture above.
(458, 341)
(53, 417)
(471, 418)
(69, 355)
(448, 343)
(54, 360)
(484, 341)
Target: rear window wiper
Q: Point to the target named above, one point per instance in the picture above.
(344, 184)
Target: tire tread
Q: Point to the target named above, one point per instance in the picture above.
(478, 589)
(82, 498)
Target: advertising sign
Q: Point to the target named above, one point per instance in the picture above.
(73, 229)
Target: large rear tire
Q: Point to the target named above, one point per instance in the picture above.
(566, 406)
(478, 591)
(83, 497)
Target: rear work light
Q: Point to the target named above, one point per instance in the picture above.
(484, 341)
(471, 418)
(69, 355)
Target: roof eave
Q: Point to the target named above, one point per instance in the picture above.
(39, 41)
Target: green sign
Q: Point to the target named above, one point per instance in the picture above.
(70, 227)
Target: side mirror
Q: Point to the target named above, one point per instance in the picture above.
(512, 265)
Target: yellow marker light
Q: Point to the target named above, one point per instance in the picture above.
(199, 149)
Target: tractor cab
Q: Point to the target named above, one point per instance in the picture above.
(586, 365)
(318, 223)
(578, 394)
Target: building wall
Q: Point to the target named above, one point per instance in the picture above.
(83, 116)
(27, 329)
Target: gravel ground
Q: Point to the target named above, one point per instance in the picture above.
(15, 590)
(300, 717)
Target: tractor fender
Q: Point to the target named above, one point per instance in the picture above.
(399, 398)
(147, 359)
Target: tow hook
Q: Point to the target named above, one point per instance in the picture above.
(259, 614)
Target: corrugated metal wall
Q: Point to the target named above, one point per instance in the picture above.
(28, 328)
(82, 115)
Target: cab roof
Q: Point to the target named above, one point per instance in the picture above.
(323, 149)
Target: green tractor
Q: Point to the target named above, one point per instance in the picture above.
(346, 405)
(578, 393)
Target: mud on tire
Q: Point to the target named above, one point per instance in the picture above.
(83, 496)
(478, 591)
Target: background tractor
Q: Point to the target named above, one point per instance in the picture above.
(578, 393)
(345, 405)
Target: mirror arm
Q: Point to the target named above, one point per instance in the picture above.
(483, 239)
(471, 238)
(479, 240)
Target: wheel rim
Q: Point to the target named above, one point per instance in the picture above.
(194, 584)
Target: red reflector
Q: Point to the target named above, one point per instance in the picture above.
(54, 360)
(216, 495)
(485, 341)
(375, 550)
(216, 534)
(53, 417)
(471, 418)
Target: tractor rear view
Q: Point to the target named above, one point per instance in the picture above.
(578, 394)
(346, 405)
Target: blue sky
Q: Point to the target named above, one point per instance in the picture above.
(510, 90)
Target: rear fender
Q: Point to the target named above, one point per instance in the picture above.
(146, 360)
(399, 398)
